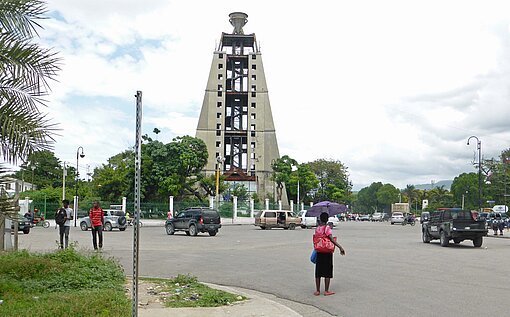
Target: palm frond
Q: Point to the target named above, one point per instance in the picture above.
(20, 16)
(23, 131)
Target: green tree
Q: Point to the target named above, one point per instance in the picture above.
(26, 69)
(307, 183)
(410, 194)
(466, 184)
(386, 195)
(367, 198)
(282, 168)
(333, 180)
(25, 72)
(208, 184)
(114, 180)
(47, 170)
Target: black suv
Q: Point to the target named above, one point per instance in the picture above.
(454, 224)
(195, 220)
(23, 225)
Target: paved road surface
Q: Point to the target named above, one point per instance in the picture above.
(387, 271)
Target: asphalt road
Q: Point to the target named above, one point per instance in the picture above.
(387, 271)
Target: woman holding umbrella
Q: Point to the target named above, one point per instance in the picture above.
(324, 262)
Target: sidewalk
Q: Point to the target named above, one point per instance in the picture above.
(256, 305)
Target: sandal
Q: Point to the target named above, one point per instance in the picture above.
(316, 293)
(328, 293)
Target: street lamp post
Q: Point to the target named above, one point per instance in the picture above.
(78, 155)
(479, 148)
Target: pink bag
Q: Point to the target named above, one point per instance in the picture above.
(322, 244)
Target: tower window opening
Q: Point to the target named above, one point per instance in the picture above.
(253, 116)
(253, 66)
(218, 104)
(218, 115)
(220, 55)
(253, 94)
(218, 143)
(253, 77)
(220, 66)
(220, 76)
(220, 94)
(253, 56)
(253, 105)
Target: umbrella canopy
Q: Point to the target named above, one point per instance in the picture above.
(326, 206)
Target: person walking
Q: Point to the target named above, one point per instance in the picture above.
(324, 262)
(96, 216)
(63, 219)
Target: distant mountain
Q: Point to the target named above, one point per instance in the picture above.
(446, 183)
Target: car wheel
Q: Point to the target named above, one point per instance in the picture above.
(108, 226)
(477, 242)
(213, 233)
(193, 230)
(170, 229)
(392, 223)
(83, 226)
(456, 241)
(46, 224)
(425, 236)
(26, 231)
(122, 229)
(187, 232)
(443, 240)
(292, 226)
(262, 227)
(303, 226)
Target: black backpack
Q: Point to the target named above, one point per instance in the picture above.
(60, 216)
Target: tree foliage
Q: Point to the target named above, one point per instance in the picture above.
(282, 169)
(333, 180)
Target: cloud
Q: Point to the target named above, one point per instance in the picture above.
(393, 94)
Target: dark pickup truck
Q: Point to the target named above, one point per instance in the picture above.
(454, 224)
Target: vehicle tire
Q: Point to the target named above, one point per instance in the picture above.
(425, 236)
(412, 223)
(170, 230)
(285, 228)
(456, 241)
(404, 223)
(122, 229)
(26, 231)
(392, 223)
(193, 230)
(477, 242)
(122, 221)
(292, 226)
(46, 224)
(443, 240)
(262, 227)
(303, 226)
(187, 232)
(212, 233)
(84, 226)
(108, 226)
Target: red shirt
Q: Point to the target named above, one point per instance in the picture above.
(96, 216)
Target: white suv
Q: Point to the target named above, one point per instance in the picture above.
(397, 217)
(307, 222)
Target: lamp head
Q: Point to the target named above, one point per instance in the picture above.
(82, 155)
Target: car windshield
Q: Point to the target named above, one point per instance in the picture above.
(397, 214)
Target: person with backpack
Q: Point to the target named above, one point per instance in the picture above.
(96, 215)
(63, 219)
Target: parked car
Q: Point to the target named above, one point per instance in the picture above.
(365, 217)
(397, 217)
(194, 220)
(113, 218)
(267, 219)
(23, 225)
(376, 216)
(307, 222)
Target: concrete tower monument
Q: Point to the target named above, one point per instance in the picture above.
(236, 122)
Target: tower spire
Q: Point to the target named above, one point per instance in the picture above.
(238, 20)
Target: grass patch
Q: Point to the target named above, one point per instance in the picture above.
(62, 283)
(186, 291)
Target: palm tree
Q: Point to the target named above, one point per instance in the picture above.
(25, 69)
(410, 193)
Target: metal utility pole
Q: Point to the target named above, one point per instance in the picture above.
(136, 230)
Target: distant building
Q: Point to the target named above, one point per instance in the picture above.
(14, 185)
(236, 122)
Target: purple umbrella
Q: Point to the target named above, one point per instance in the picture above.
(326, 206)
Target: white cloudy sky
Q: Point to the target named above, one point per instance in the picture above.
(393, 89)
